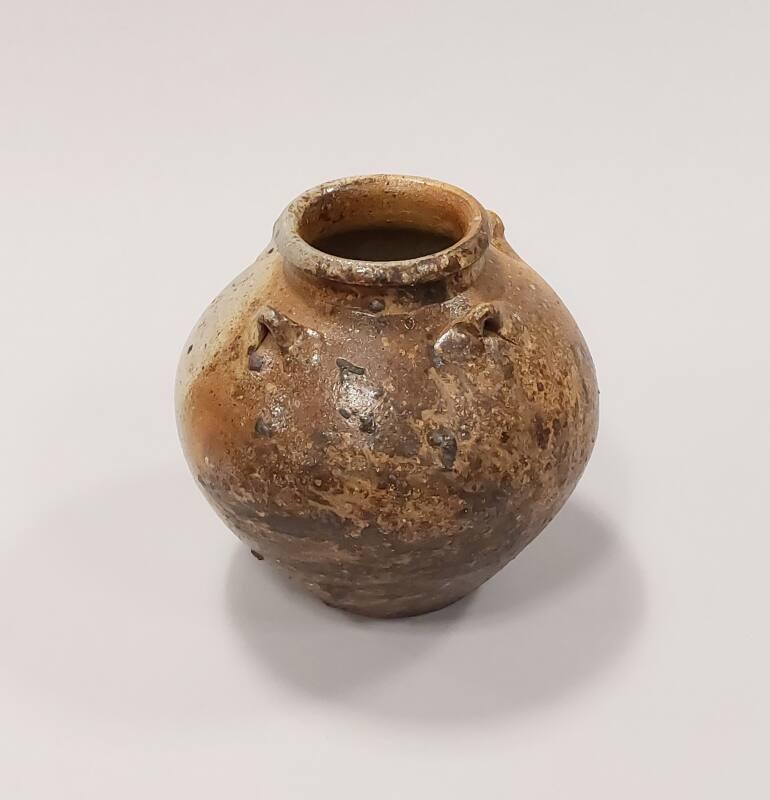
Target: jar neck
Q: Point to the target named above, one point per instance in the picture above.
(380, 231)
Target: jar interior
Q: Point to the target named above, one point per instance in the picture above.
(377, 221)
(383, 243)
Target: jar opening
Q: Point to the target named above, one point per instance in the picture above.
(383, 243)
(383, 230)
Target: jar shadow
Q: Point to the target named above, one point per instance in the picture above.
(110, 590)
(549, 623)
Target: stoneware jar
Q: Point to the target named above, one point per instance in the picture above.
(389, 404)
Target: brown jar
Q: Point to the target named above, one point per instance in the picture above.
(389, 404)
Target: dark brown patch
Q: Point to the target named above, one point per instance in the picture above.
(366, 423)
(347, 366)
(255, 360)
(262, 428)
(541, 432)
(447, 447)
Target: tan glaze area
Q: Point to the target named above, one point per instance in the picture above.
(387, 446)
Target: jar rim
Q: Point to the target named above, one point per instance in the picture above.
(393, 198)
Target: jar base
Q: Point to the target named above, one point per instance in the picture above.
(400, 613)
(392, 609)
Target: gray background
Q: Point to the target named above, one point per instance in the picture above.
(147, 148)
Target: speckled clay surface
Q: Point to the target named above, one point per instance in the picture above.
(389, 434)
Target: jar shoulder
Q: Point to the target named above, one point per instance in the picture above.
(283, 365)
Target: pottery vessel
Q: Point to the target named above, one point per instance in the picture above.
(389, 404)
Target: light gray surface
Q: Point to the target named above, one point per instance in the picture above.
(146, 150)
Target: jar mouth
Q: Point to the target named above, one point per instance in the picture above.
(383, 230)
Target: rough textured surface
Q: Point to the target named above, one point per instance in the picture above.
(389, 447)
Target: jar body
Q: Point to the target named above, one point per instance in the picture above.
(388, 447)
